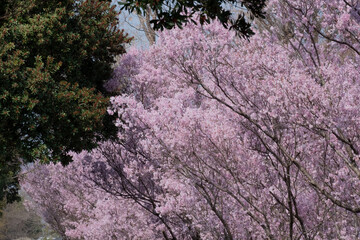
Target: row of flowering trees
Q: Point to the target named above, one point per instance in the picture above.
(221, 138)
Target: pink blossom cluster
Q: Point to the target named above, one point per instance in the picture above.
(76, 207)
(221, 138)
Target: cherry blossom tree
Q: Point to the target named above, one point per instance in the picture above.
(221, 138)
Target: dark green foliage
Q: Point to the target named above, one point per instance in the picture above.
(54, 59)
(178, 12)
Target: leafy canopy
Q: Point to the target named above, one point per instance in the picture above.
(54, 58)
(171, 13)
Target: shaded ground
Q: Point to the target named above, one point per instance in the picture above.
(17, 223)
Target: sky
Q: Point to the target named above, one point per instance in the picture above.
(130, 23)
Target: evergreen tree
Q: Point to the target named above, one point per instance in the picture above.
(54, 58)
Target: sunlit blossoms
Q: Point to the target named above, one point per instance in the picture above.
(221, 138)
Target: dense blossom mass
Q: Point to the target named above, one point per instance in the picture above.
(221, 138)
